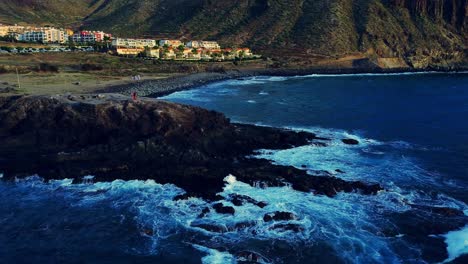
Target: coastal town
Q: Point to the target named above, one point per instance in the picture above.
(67, 40)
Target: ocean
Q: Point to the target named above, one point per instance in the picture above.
(413, 134)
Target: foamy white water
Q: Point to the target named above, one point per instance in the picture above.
(348, 228)
(457, 243)
(215, 257)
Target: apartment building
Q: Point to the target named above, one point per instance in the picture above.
(84, 37)
(170, 42)
(6, 30)
(133, 43)
(89, 36)
(132, 47)
(203, 44)
(47, 35)
(3, 30)
(153, 53)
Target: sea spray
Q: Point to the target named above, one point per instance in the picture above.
(457, 243)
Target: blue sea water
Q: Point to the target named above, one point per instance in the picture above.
(413, 131)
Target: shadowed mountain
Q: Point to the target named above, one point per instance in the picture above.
(418, 33)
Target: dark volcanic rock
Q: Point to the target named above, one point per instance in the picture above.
(251, 257)
(239, 200)
(184, 196)
(112, 137)
(279, 216)
(443, 211)
(350, 141)
(204, 212)
(424, 225)
(244, 225)
(221, 209)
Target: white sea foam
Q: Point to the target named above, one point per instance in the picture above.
(378, 74)
(255, 80)
(457, 243)
(215, 256)
(266, 79)
(192, 95)
(350, 223)
(367, 161)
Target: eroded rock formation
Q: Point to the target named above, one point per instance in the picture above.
(113, 137)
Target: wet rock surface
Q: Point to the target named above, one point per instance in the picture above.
(279, 216)
(251, 257)
(350, 141)
(112, 137)
(221, 209)
(239, 200)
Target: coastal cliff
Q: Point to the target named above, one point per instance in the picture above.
(112, 137)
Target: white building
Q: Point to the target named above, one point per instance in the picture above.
(203, 44)
(83, 38)
(153, 53)
(133, 43)
(6, 30)
(170, 42)
(33, 36)
(46, 35)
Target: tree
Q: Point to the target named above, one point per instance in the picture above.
(242, 54)
(107, 40)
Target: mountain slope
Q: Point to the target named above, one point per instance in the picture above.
(45, 11)
(421, 32)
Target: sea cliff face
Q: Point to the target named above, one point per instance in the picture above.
(112, 137)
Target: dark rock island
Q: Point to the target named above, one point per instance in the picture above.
(112, 137)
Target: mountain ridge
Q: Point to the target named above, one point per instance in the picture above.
(422, 33)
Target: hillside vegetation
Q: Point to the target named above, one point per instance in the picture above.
(417, 33)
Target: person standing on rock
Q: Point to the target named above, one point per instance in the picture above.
(134, 96)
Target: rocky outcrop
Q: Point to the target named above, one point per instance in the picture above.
(112, 137)
(279, 216)
(350, 141)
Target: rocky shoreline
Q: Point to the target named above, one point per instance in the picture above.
(109, 137)
(162, 87)
(113, 137)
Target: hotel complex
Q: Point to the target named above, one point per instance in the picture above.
(166, 49)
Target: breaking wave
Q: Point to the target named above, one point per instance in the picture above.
(350, 226)
(457, 243)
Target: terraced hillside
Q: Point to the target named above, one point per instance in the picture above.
(418, 33)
